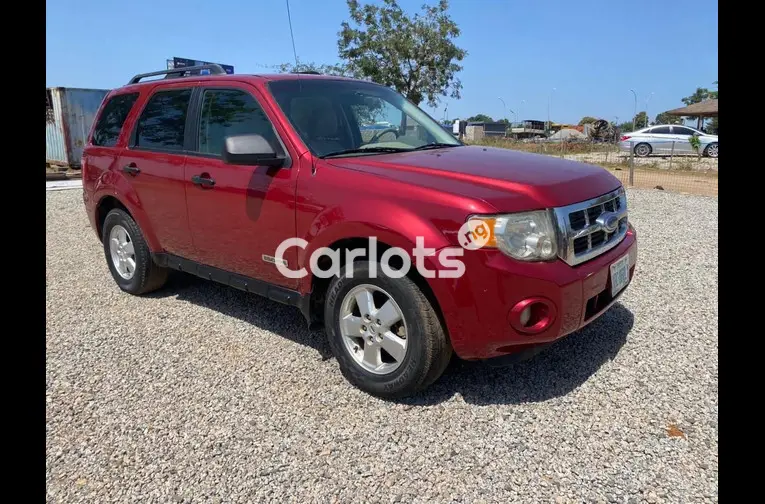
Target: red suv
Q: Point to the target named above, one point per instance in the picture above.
(342, 198)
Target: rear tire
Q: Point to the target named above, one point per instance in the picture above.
(643, 150)
(426, 352)
(128, 255)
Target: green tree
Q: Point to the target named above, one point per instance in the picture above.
(641, 121)
(480, 118)
(415, 55)
(663, 118)
(698, 96)
(587, 120)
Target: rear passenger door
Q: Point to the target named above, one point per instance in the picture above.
(153, 160)
(238, 222)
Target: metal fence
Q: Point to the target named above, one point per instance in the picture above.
(671, 167)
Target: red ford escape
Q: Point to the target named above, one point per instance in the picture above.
(243, 179)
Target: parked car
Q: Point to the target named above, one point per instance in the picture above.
(668, 139)
(247, 180)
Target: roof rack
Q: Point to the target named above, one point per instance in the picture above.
(171, 73)
(309, 72)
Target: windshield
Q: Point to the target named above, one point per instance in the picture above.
(336, 117)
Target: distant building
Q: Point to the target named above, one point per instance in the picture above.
(477, 130)
(528, 129)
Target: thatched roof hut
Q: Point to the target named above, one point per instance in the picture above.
(706, 108)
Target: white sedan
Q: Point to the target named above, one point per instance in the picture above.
(666, 140)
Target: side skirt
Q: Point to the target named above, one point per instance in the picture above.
(241, 282)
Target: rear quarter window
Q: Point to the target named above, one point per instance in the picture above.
(113, 116)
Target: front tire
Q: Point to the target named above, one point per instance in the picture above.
(128, 255)
(711, 150)
(643, 150)
(385, 334)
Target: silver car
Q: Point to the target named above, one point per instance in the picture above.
(665, 140)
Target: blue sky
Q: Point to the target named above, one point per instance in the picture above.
(591, 52)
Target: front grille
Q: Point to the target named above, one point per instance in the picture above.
(584, 235)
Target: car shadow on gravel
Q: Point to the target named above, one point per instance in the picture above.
(554, 372)
(262, 313)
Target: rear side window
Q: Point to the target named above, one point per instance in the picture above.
(162, 124)
(231, 112)
(661, 130)
(679, 130)
(112, 118)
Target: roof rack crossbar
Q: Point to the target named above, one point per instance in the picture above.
(178, 72)
(307, 72)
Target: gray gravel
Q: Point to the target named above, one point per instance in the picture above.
(201, 393)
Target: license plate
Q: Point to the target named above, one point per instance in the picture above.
(620, 274)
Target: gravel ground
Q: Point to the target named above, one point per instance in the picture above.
(201, 393)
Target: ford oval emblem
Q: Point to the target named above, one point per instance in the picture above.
(609, 221)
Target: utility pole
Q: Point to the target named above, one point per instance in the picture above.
(634, 115)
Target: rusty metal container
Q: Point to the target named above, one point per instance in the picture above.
(69, 114)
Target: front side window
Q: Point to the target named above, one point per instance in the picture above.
(231, 112)
(162, 124)
(110, 122)
(337, 117)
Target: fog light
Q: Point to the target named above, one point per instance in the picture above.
(532, 315)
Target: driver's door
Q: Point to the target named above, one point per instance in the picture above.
(238, 214)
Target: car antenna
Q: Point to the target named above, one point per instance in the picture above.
(294, 51)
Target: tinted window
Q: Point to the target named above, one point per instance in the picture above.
(112, 118)
(337, 115)
(661, 130)
(163, 122)
(229, 112)
(679, 130)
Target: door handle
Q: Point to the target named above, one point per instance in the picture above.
(131, 169)
(202, 181)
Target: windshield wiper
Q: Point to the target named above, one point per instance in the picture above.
(435, 145)
(368, 149)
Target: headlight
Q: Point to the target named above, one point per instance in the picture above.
(526, 236)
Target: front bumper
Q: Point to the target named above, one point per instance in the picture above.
(476, 307)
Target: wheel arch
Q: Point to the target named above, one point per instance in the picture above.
(319, 286)
(109, 201)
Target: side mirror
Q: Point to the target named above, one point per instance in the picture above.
(253, 150)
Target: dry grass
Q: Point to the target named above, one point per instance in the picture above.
(683, 174)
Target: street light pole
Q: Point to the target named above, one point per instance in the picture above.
(504, 106)
(549, 99)
(634, 115)
(646, 108)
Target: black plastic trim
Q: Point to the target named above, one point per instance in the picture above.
(173, 73)
(271, 291)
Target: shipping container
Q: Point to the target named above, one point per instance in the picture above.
(69, 113)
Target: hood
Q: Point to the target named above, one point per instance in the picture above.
(507, 179)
